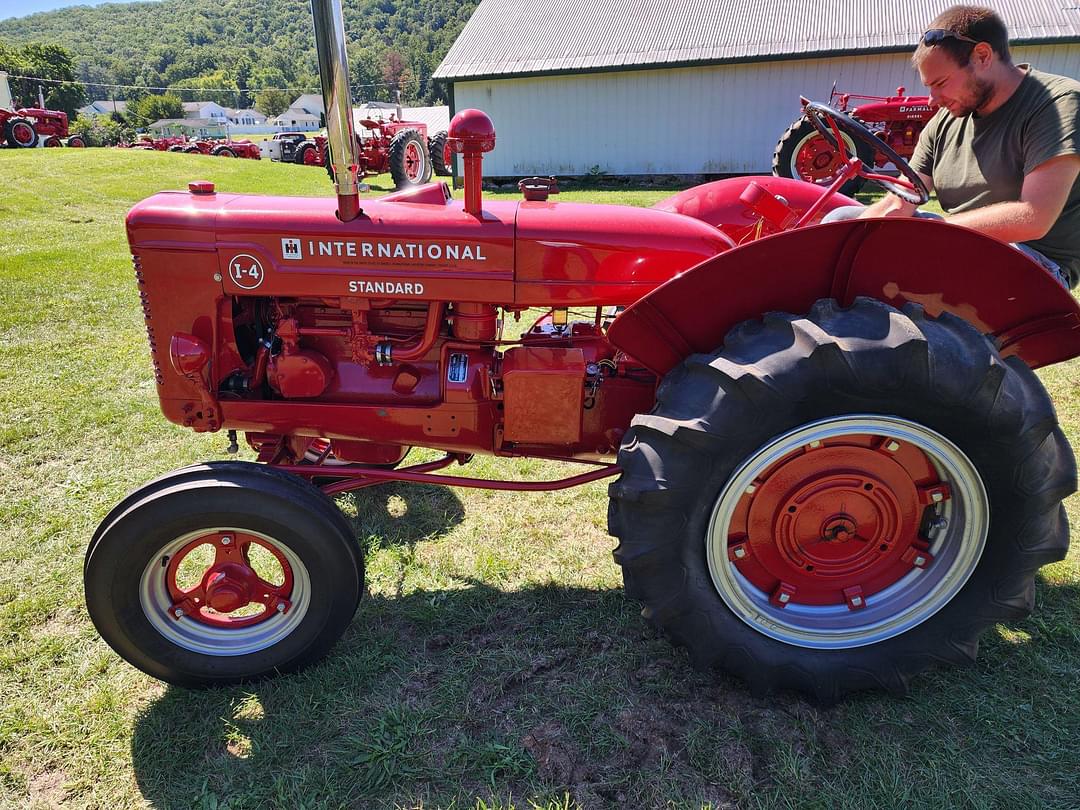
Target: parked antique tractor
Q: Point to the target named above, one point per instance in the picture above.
(26, 127)
(230, 149)
(830, 466)
(394, 146)
(284, 146)
(804, 154)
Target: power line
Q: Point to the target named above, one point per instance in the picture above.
(304, 89)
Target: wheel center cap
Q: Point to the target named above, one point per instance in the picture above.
(840, 529)
(228, 587)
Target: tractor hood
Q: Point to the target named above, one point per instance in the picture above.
(421, 244)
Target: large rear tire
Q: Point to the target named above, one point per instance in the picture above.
(803, 154)
(834, 502)
(223, 573)
(223, 151)
(437, 150)
(20, 133)
(410, 164)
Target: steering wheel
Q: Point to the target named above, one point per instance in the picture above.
(830, 123)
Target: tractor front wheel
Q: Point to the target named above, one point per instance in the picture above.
(223, 573)
(834, 502)
(20, 133)
(223, 151)
(76, 142)
(410, 164)
(803, 154)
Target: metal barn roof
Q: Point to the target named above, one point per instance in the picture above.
(521, 37)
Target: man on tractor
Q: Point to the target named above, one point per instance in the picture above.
(1003, 151)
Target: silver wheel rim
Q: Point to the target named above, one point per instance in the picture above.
(848, 143)
(896, 609)
(195, 636)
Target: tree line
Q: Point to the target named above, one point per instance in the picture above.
(242, 49)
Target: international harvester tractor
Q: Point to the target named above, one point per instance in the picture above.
(805, 154)
(27, 127)
(829, 466)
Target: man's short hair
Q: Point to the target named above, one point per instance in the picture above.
(974, 22)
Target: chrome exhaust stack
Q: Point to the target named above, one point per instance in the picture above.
(337, 101)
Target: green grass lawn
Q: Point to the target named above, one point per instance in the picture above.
(494, 662)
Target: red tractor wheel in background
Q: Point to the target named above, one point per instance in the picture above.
(222, 573)
(803, 154)
(76, 142)
(223, 151)
(308, 155)
(410, 164)
(834, 502)
(177, 147)
(53, 142)
(437, 150)
(191, 150)
(20, 133)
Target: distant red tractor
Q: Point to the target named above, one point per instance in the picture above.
(804, 154)
(830, 466)
(25, 127)
(398, 147)
(230, 149)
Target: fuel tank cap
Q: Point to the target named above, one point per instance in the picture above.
(200, 187)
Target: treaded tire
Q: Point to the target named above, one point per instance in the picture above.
(714, 411)
(177, 147)
(300, 156)
(76, 142)
(223, 151)
(792, 141)
(237, 495)
(437, 150)
(402, 169)
(20, 133)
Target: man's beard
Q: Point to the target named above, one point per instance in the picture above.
(982, 92)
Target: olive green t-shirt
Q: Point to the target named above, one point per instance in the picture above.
(975, 161)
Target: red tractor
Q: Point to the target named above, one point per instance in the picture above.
(149, 143)
(802, 152)
(24, 128)
(394, 146)
(230, 149)
(830, 466)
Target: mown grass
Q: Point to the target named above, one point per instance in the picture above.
(494, 663)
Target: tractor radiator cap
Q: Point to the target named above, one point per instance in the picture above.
(471, 131)
(200, 187)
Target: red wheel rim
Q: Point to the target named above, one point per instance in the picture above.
(230, 583)
(311, 158)
(52, 142)
(827, 524)
(23, 133)
(816, 161)
(414, 162)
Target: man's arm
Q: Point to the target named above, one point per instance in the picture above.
(1042, 197)
(892, 206)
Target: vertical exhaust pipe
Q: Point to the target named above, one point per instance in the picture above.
(337, 101)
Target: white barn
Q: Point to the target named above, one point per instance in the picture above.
(694, 86)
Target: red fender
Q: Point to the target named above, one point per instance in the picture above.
(946, 268)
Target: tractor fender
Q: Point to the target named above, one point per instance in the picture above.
(943, 267)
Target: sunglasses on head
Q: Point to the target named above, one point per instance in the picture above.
(937, 35)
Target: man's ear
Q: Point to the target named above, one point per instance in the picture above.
(982, 54)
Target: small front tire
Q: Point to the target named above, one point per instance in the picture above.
(223, 573)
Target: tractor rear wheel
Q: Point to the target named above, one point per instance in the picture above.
(410, 164)
(223, 573)
(803, 154)
(437, 150)
(834, 502)
(20, 133)
(223, 151)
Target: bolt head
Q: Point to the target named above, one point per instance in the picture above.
(892, 447)
(740, 553)
(217, 276)
(178, 613)
(226, 540)
(856, 600)
(784, 597)
(280, 607)
(815, 443)
(937, 497)
(750, 489)
(920, 560)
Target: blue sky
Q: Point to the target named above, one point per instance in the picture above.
(20, 8)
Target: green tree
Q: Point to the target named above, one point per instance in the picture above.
(272, 102)
(148, 109)
(49, 63)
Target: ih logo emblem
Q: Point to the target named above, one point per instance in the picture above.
(290, 249)
(246, 271)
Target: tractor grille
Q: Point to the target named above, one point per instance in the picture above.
(149, 318)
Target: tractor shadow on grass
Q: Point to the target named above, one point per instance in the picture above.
(400, 514)
(441, 696)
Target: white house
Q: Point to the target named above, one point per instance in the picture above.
(304, 114)
(694, 86)
(246, 118)
(95, 108)
(205, 109)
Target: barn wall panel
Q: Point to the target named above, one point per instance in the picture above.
(716, 119)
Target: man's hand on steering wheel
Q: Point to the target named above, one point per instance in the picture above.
(831, 123)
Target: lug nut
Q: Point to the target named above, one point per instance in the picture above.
(226, 540)
(280, 607)
(178, 613)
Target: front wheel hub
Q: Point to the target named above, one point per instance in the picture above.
(847, 531)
